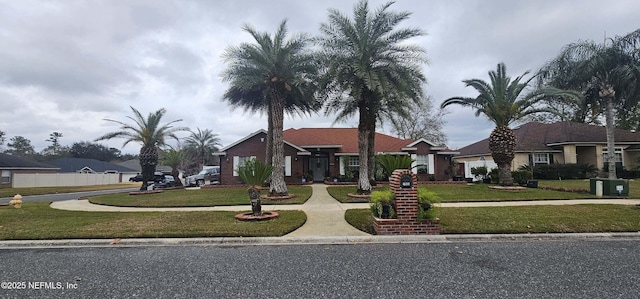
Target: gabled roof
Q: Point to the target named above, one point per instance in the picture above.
(15, 162)
(346, 139)
(77, 164)
(262, 131)
(535, 136)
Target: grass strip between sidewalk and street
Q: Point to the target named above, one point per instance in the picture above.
(207, 197)
(36, 221)
(524, 219)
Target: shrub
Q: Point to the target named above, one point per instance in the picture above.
(427, 203)
(521, 177)
(564, 171)
(380, 199)
(254, 173)
(495, 176)
(389, 163)
(479, 172)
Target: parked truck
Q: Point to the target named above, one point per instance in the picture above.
(209, 174)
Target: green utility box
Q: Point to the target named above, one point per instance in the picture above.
(610, 187)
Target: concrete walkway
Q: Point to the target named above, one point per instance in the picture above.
(325, 215)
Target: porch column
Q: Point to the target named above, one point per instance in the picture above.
(570, 154)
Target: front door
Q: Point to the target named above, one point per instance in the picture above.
(319, 166)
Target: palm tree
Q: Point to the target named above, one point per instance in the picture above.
(501, 102)
(148, 132)
(201, 145)
(173, 158)
(273, 74)
(369, 69)
(608, 75)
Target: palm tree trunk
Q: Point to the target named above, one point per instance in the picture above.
(268, 156)
(364, 187)
(278, 185)
(371, 154)
(611, 156)
(148, 161)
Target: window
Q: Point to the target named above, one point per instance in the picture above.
(238, 161)
(354, 164)
(540, 159)
(617, 158)
(422, 163)
(6, 177)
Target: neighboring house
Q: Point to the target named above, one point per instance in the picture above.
(11, 165)
(560, 142)
(329, 152)
(82, 165)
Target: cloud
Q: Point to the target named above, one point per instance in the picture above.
(65, 66)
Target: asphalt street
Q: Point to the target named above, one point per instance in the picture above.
(523, 269)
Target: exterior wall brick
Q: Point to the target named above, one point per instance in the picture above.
(255, 146)
(407, 222)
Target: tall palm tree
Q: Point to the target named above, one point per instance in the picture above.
(174, 159)
(273, 74)
(502, 101)
(201, 145)
(369, 69)
(148, 132)
(608, 74)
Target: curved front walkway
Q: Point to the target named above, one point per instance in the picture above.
(325, 215)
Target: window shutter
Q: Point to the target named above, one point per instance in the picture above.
(342, 172)
(414, 163)
(551, 159)
(287, 165)
(431, 164)
(236, 162)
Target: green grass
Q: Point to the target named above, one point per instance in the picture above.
(361, 219)
(38, 221)
(525, 219)
(10, 192)
(474, 192)
(634, 185)
(197, 198)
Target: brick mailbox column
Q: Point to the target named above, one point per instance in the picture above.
(404, 184)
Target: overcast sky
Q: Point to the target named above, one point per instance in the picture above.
(67, 65)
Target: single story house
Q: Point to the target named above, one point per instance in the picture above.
(83, 165)
(329, 152)
(11, 165)
(560, 142)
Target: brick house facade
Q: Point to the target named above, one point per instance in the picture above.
(323, 153)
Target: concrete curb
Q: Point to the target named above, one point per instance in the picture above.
(348, 240)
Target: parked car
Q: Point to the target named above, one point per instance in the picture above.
(157, 176)
(137, 178)
(211, 174)
(167, 181)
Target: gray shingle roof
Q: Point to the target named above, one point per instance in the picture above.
(536, 136)
(15, 162)
(76, 164)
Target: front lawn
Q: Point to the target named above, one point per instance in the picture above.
(36, 220)
(473, 192)
(524, 219)
(634, 185)
(10, 192)
(207, 197)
